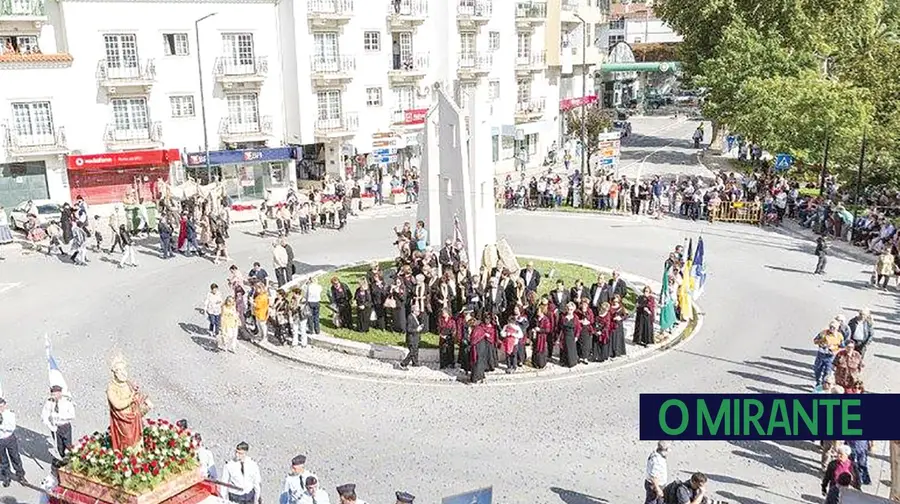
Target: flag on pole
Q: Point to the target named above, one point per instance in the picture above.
(56, 377)
(667, 318)
(699, 268)
(685, 310)
(689, 267)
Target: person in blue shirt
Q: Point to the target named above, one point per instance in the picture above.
(421, 236)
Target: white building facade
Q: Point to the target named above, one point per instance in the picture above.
(102, 98)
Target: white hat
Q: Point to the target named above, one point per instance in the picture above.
(845, 450)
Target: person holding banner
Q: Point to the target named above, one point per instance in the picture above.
(57, 415)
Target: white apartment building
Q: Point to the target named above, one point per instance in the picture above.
(634, 23)
(101, 98)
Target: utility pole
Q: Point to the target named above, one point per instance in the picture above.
(859, 173)
(584, 74)
(824, 166)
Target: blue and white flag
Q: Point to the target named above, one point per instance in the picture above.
(56, 377)
(699, 269)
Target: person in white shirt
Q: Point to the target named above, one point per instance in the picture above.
(206, 459)
(347, 494)
(57, 415)
(313, 494)
(9, 447)
(280, 262)
(657, 473)
(213, 308)
(313, 298)
(295, 481)
(242, 472)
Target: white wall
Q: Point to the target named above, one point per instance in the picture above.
(87, 22)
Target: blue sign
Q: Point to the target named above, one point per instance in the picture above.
(382, 152)
(783, 162)
(607, 161)
(480, 496)
(225, 157)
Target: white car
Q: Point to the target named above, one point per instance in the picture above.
(47, 211)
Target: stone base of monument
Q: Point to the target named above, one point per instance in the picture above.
(186, 488)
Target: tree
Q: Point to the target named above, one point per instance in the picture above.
(596, 121)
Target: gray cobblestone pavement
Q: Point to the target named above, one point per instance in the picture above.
(573, 441)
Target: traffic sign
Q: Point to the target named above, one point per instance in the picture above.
(383, 152)
(783, 162)
(387, 159)
(607, 161)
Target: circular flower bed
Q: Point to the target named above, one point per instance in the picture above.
(168, 451)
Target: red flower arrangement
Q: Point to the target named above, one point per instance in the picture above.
(168, 451)
(398, 190)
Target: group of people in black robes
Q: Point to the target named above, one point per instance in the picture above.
(482, 319)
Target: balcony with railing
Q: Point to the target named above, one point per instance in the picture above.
(409, 68)
(345, 125)
(22, 145)
(118, 75)
(530, 110)
(530, 13)
(405, 14)
(329, 13)
(231, 131)
(22, 10)
(474, 12)
(534, 61)
(332, 69)
(119, 137)
(230, 71)
(475, 64)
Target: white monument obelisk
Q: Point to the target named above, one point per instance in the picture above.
(457, 175)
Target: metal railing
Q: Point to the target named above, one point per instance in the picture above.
(25, 8)
(531, 10)
(229, 127)
(475, 8)
(476, 60)
(536, 59)
(151, 132)
(346, 123)
(410, 63)
(408, 8)
(19, 142)
(338, 64)
(330, 7)
(126, 71)
(227, 66)
(532, 106)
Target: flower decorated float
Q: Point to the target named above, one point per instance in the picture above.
(135, 461)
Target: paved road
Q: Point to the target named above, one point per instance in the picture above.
(573, 442)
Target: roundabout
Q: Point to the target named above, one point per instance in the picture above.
(546, 440)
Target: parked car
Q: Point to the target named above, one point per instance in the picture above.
(623, 127)
(47, 212)
(656, 101)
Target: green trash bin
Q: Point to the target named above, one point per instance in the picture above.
(152, 215)
(132, 217)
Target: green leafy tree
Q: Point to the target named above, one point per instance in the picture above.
(596, 121)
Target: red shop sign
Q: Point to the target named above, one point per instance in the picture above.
(570, 103)
(415, 116)
(123, 159)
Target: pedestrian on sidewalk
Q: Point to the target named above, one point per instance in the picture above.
(414, 328)
(165, 238)
(822, 254)
(98, 236)
(57, 415)
(828, 342)
(230, 325)
(9, 448)
(213, 309)
(313, 299)
(280, 262)
(657, 475)
(128, 257)
(79, 244)
(114, 227)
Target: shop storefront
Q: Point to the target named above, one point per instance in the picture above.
(246, 174)
(20, 182)
(108, 177)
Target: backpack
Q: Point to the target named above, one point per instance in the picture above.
(670, 492)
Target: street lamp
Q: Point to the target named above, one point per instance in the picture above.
(583, 91)
(203, 97)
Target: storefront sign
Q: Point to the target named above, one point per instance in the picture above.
(414, 116)
(570, 103)
(240, 156)
(123, 159)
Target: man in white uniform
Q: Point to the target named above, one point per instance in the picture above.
(9, 447)
(347, 494)
(206, 458)
(295, 481)
(314, 494)
(243, 473)
(58, 415)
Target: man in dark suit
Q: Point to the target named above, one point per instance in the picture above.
(600, 293)
(560, 295)
(494, 298)
(531, 277)
(448, 257)
(414, 328)
(617, 286)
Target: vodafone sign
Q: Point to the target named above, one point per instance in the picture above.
(122, 159)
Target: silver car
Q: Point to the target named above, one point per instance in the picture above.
(47, 211)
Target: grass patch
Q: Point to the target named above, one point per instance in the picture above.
(550, 272)
(809, 191)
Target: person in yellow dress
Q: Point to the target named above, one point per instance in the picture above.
(230, 324)
(261, 310)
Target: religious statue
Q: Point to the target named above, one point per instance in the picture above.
(127, 407)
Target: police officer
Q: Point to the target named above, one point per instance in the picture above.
(9, 447)
(295, 481)
(347, 494)
(405, 498)
(58, 415)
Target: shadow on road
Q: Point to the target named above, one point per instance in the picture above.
(572, 497)
(34, 446)
(768, 380)
(721, 478)
(854, 284)
(774, 456)
(789, 270)
(801, 351)
(740, 500)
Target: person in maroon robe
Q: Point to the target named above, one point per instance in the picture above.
(586, 330)
(543, 326)
(568, 327)
(182, 232)
(602, 323)
(447, 334)
(464, 324)
(480, 347)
